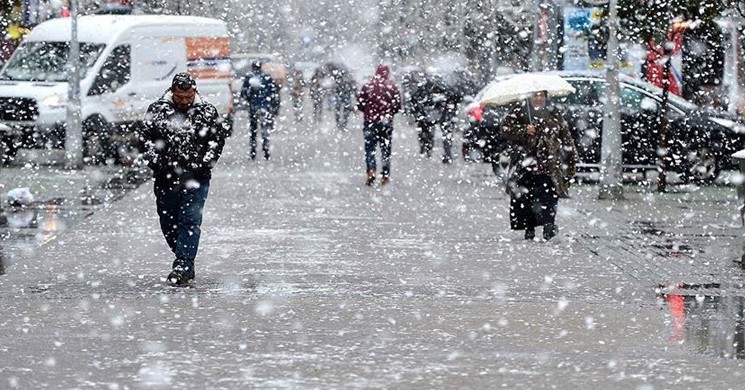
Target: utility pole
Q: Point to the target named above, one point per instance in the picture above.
(73, 130)
(611, 170)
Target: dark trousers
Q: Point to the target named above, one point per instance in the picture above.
(342, 109)
(180, 213)
(263, 119)
(378, 134)
(426, 138)
(535, 202)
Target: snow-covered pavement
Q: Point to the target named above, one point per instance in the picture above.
(306, 278)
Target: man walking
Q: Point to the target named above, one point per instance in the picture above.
(262, 95)
(344, 90)
(183, 140)
(379, 100)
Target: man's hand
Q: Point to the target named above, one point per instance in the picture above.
(531, 130)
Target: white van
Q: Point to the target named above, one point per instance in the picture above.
(127, 62)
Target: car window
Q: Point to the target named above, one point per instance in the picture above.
(115, 72)
(587, 94)
(631, 98)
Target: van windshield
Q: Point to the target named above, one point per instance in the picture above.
(47, 61)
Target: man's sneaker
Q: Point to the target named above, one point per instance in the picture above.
(180, 275)
(550, 230)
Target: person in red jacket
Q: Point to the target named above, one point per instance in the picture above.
(379, 100)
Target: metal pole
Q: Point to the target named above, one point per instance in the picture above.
(611, 170)
(73, 133)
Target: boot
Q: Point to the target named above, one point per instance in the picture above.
(529, 233)
(385, 180)
(182, 273)
(550, 230)
(370, 177)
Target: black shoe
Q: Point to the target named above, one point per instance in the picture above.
(550, 231)
(181, 274)
(529, 233)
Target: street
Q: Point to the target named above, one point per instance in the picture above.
(306, 278)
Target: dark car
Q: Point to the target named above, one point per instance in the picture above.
(700, 140)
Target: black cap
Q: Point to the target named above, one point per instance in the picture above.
(183, 81)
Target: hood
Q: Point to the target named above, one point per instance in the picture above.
(33, 89)
(382, 71)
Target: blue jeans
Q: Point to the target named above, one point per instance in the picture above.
(180, 213)
(378, 133)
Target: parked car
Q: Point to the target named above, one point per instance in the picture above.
(700, 140)
(126, 63)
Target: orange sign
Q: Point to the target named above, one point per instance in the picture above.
(208, 58)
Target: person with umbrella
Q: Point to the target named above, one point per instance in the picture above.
(544, 159)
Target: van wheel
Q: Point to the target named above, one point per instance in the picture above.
(96, 140)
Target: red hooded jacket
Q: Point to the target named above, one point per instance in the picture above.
(379, 98)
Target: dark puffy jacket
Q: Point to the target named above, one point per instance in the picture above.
(261, 92)
(432, 103)
(182, 146)
(552, 147)
(379, 98)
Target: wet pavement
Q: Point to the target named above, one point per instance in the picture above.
(308, 279)
(61, 198)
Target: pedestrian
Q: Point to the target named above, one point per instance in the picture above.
(317, 94)
(379, 100)
(344, 89)
(434, 106)
(262, 96)
(183, 139)
(426, 115)
(297, 94)
(544, 161)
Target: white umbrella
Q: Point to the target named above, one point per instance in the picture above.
(521, 85)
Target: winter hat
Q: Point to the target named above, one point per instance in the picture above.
(183, 81)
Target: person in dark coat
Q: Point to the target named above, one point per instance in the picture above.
(318, 93)
(434, 105)
(262, 95)
(344, 89)
(183, 139)
(297, 93)
(379, 100)
(544, 159)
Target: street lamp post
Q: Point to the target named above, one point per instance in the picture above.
(611, 182)
(73, 132)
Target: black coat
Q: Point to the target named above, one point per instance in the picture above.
(433, 103)
(182, 146)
